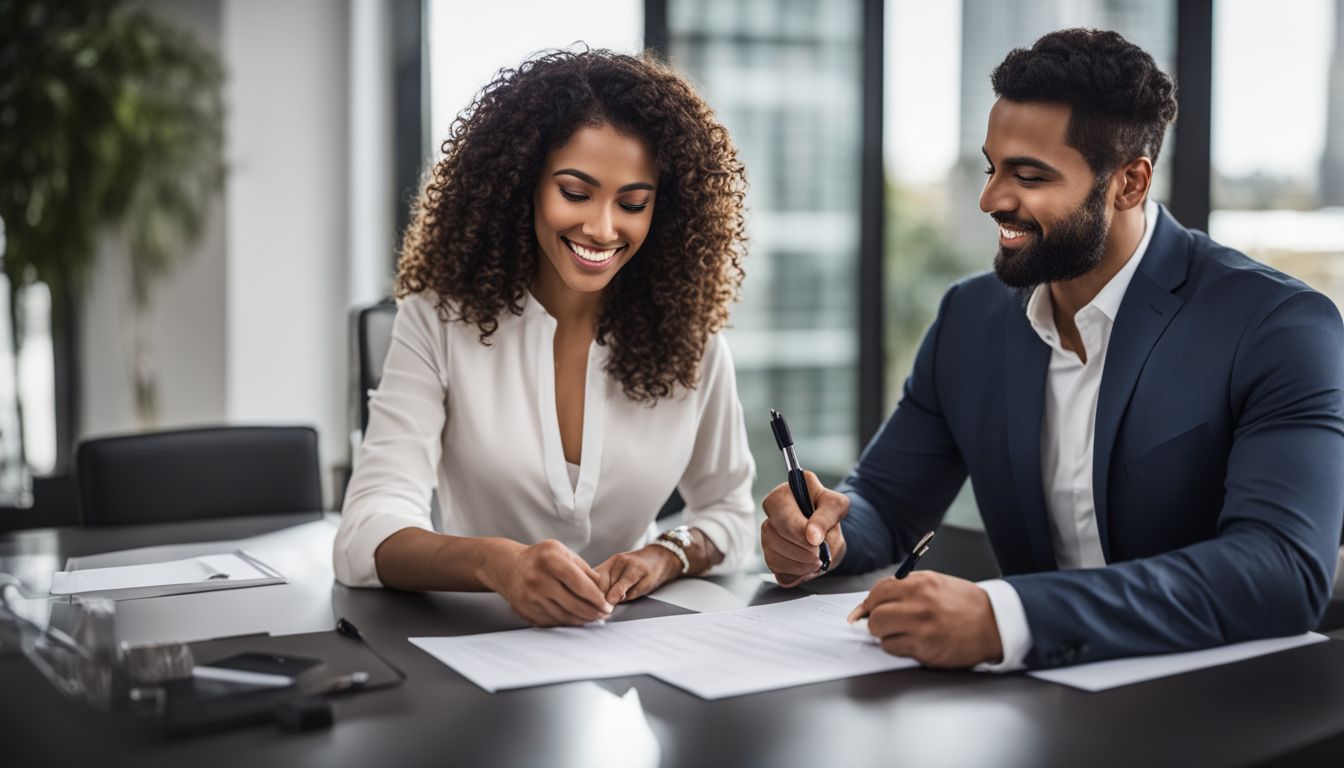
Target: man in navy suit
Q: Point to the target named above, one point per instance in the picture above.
(1153, 424)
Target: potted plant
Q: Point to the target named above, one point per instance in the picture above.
(111, 124)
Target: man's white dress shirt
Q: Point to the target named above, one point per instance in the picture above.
(1068, 430)
(478, 424)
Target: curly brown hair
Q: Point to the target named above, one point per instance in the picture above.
(472, 239)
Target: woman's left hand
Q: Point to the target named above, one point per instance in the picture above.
(637, 573)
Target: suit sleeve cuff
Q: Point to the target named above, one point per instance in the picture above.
(1014, 633)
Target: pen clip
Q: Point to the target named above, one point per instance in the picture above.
(916, 552)
(781, 430)
(922, 545)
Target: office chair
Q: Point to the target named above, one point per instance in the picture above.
(370, 336)
(194, 474)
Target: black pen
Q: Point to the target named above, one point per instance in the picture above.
(909, 564)
(904, 570)
(797, 481)
(347, 627)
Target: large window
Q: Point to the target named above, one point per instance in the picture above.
(1278, 136)
(785, 77)
(468, 46)
(938, 60)
(788, 79)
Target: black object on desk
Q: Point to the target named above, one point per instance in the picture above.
(195, 705)
(797, 480)
(346, 627)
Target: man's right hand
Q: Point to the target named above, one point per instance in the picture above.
(789, 541)
(550, 586)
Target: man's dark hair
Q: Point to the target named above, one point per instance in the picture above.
(1121, 102)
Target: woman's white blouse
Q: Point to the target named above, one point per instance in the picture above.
(478, 423)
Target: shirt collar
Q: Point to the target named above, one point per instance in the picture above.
(1107, 301)
(532, 307)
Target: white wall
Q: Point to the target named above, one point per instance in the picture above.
(287, 197)
(252, 327)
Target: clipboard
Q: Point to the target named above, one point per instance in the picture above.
(192, 706)
(206, 573)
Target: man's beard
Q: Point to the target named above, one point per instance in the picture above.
(1076, 245)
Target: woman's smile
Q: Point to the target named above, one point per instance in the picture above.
(590, 257)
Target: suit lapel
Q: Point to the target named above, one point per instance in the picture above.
(1145, 312)
(1028, 360)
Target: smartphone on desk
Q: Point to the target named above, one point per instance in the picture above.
(255, 669)
(238, 690)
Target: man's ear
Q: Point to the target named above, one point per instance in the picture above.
(1133, 179)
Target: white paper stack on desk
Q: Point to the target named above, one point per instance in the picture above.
(712, 655)
(175, 577)
(755, 649)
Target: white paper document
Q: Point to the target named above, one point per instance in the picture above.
(698, 595)
(767, 647)
(1101, 675)
(712, 655)
(196, 574)
(755, 649)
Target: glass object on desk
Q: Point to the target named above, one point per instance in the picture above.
(73, 644)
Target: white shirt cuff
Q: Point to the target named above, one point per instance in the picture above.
(1014, 633)
(358, 538)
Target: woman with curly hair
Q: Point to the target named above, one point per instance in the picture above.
(556, 368)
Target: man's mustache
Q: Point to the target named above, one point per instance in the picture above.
(1007, 219)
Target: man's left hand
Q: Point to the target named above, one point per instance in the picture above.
(935, 619)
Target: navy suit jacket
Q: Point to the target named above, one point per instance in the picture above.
(1218, 462)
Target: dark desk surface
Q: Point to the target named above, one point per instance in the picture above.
(1286, 708)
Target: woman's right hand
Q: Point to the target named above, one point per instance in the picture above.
(550, 586)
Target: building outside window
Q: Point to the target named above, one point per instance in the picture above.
(1278, 136)
(785, 77)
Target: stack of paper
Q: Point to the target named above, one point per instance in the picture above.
(713, 655)
(175, 577)
(761, 648)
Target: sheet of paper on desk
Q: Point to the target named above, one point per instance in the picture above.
(519, 658)
(1101, 675)
(781, 645)
(712, 655)
(698, 595)
(207, 572)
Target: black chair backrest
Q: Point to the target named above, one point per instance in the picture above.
(373, 337)
(194, 474)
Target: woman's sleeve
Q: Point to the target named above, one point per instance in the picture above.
(717, 483)
(396, 467)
